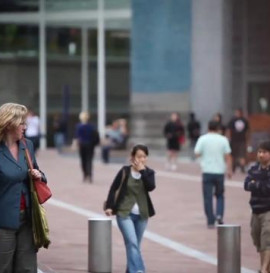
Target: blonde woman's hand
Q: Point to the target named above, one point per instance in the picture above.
(36, 174)
(108, 212)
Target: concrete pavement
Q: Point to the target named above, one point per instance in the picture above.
(176, 241)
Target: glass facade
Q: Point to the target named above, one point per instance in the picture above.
(19, 53)
(63, 40)
(18, 5)
(19, 40)
(60, 5)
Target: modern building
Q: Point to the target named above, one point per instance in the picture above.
(204, 56)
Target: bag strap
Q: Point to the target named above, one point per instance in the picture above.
(30, 165)
(27, 155)
(122, 181)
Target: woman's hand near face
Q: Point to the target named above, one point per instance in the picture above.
(138, 165)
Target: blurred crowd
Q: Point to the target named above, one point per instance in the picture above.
(236, 130)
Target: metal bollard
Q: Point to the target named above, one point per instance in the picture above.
(229, 249)
(99, 245)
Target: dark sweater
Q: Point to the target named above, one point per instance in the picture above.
(258, 183)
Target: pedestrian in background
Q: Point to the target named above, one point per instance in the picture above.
(115, 138)
(215, 159)
(86, 139)
(133, 205)
(194, 132)
(60, 131)
(173, 132)
(257, 183)
(17, 249)
(33, 129)
(238, 134)
(221, 127)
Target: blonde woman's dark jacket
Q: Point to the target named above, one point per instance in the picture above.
(148, 178)
(14, 181)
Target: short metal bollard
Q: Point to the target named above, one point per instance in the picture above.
(229, 249)
(99, 245)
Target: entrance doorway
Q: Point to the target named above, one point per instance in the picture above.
(259, 98)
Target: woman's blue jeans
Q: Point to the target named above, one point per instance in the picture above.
(132, 228)
(213, 184)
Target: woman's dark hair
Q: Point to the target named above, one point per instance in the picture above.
(137, 147)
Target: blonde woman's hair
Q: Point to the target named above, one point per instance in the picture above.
(84, 117)
(11, 115)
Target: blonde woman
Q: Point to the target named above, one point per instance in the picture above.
(17, 250)
(87, 138)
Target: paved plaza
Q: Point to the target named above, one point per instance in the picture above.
(177, 239)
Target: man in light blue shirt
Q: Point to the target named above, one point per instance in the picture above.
(215, 159)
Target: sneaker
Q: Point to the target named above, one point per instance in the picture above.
(219, 220)
(211, 226)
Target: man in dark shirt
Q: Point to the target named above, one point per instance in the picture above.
(238, 131)
(258, 183)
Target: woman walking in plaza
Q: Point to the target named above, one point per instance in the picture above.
(129, 199)
(173, 131)
(17, 249)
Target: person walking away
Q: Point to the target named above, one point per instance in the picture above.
(133, 206)
(173, 130)
(194, 132)
(238, 134)
(33, 129)
(215, 159)
(257, 183)
(87, 138)
(18, 253)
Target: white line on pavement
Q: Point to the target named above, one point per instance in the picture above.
(194, 178)
(178, 247)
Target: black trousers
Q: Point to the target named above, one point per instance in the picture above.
(86, 153)
(17, 250)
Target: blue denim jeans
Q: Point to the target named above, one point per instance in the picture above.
(132, 229)
(213, 184)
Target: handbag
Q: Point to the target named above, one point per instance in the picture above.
(41, 188)
(39, 220)
(117, 191)
(43, 191)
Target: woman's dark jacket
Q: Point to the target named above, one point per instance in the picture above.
(148, 178)
(14, 181)
(258, 183)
